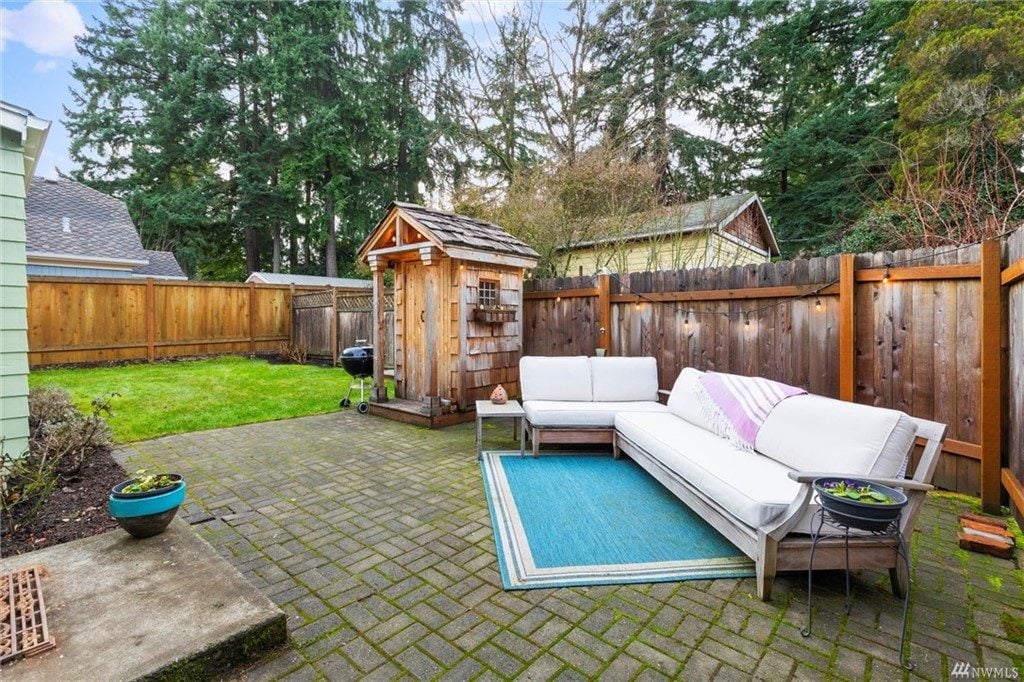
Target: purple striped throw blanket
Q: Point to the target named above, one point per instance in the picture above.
(736, 406)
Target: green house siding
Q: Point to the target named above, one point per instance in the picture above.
(13, 286)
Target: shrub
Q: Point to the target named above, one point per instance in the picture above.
(61, 441)
(292, 352)
(59, 431)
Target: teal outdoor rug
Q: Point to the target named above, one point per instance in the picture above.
(562, 520)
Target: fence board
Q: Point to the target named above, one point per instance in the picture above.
(916, 336)
(82, 321)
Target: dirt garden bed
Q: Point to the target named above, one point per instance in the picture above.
(76, 509)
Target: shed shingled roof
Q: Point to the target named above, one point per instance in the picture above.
(453, 229)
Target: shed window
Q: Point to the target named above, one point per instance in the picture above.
(487, 293)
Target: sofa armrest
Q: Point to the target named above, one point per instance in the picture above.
(809, 476)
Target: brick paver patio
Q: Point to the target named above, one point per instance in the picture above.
(375, 539)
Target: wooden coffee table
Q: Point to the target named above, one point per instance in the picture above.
(485, 409)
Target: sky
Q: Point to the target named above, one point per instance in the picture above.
(37, 48)
(37, 51)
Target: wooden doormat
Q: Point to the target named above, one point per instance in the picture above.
(986, 534)
(23, 629)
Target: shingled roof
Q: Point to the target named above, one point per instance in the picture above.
(452, 229)
(67, 218)
(161, 264)
(98, 225)
(709, 214)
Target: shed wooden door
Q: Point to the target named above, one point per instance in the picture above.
(414, 330)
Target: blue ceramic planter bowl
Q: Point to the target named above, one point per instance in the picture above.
(144, 517)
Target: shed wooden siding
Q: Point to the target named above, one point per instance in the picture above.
(447, 366)
(13, 299)
(491, 352)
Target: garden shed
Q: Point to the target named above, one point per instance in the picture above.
(458, 290)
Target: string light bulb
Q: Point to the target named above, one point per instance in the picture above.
(638, 304)
(746, 319)
(885, 275)
(558, 299)
(686, 318)
(817, 303)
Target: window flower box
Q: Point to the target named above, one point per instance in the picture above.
(494, 314)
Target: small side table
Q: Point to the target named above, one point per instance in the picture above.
(485, 409)
(901, 548)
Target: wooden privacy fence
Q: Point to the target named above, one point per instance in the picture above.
(353, 321)
(921, 331)
(103, 320)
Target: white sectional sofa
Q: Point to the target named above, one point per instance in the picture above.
(576, 399)
(762, 500)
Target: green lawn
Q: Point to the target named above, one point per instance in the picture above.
(176, 397)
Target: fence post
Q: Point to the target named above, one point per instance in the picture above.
(291, 314)
(252, 318)
(847, 329)
(604, 313)
(150, 321)
(334, 327)
(990, 412)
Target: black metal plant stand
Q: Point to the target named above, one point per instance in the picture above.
(845, 522)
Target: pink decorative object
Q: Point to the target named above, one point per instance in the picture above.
(499, 396)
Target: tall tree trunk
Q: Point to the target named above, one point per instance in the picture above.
(252, 251)
(293, 249)
(277, 246)
(659, 77)
(331, 246)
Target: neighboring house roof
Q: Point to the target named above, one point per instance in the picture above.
(455, 232)
(708, 214)
(97, 225)
(66, 221)
(161, 264)
(310, 280)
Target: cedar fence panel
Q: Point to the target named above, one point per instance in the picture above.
(910, 336)
(1013, 278)
(81, 321)
(311, 323)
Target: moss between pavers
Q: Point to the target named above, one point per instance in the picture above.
(244, 648)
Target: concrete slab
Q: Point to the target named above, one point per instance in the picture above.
(163, 607)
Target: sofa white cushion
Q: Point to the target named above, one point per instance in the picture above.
(561, 378)
(682, 401)
(624, 379)
(750, 487)
(814, 433)
(567, 414)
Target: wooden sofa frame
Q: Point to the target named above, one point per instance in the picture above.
(773, 549)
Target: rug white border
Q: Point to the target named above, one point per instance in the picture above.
(519, 571)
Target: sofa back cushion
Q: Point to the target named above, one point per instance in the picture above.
(562, 378)
(682, 402)
(624, 379)
(814, 433)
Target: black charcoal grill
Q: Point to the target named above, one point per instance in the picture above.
(358, 361)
